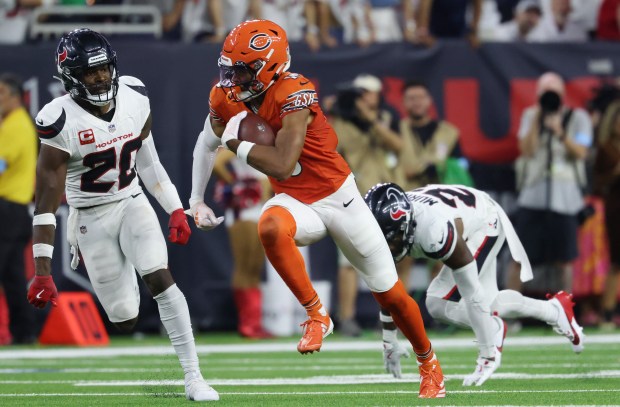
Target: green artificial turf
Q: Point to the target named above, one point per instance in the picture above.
(529, 375)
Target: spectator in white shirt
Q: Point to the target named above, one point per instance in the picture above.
(288, 14)
(353, 18)
(526, 18)
(561, 24)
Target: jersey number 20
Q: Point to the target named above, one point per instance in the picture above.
(103, 161)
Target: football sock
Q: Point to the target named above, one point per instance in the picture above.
(277, 229)
(513, 304)
(406, 314)
(174, 314)
(479, 312)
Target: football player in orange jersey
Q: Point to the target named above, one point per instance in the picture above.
(315, 190)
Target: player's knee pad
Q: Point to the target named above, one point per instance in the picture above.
(507, 303)
(274, 224)
(124, 311)
(380, 281)
(436, 307)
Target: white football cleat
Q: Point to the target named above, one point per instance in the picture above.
(196, 389)
(485, 367)
(566, 324)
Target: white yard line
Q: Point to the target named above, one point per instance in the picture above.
(319, 380)
(370, 367)
(351, 365)
(283, 347)
(310, 393)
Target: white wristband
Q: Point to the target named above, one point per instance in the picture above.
(42, 250)
(44, 219)
(385, 318)
(244, 150)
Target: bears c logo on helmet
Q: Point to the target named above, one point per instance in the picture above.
(260, 42)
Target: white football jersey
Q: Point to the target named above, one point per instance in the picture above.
(435, 207)
(101, 166)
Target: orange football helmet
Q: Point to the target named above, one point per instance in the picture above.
(253, 57)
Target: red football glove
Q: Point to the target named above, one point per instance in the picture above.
(41, 291)
(179, 228)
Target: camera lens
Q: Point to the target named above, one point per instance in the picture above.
(550, 101)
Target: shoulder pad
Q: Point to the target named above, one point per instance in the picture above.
(296, 92)
(134, 83)
(439, 240)
(50, 121)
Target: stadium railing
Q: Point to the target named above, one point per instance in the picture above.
(132, 19)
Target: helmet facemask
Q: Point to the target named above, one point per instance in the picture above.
(90, 93)
(401, 240)
(240, 79)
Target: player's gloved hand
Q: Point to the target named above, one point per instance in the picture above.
(204, 217)
(232, 128)
(41, 291)
(392, 353)
(178, 227)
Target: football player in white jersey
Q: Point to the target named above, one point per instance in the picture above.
(94, 141)
(465, 229)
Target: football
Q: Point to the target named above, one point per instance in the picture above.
(255, 129)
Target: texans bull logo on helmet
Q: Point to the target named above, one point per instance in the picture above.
(398, 208)
(62, 56)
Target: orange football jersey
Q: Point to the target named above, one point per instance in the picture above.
(320, 170)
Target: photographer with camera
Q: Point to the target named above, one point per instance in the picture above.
(369, 141)
(554, 141)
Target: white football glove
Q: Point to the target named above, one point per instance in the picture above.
(392, 353)
(232, 128)
(204, 217)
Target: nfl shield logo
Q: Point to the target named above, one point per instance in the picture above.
(111, 128)
(83, 230)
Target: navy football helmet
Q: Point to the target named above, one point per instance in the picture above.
(78, 51)
(391, 207)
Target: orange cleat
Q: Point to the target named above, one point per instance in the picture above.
(431, 379)
(315, 329)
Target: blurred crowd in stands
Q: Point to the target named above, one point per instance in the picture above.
(328, 23)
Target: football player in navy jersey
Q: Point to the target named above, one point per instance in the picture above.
(465, 229)
(94, 141)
